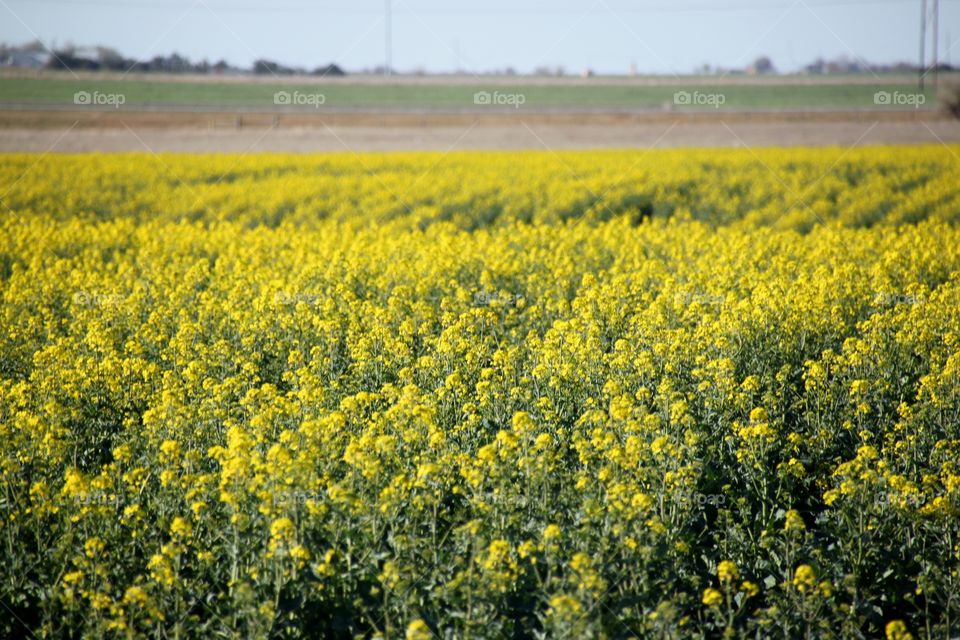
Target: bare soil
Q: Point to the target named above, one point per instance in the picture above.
(159, 131)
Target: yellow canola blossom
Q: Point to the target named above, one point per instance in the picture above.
(691, 393)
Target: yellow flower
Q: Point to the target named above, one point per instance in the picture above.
(804, 578)
(543, 441)
(825, 588)
(496, 553)
(507, 439)
(794, 521)
(300, 554)
(418, 630)
(487, 453)
(551, 532)
(161, 570)
(282, 530)
(100, 601)
(180, 528)
(169, 451)
(859, 387)
(75, 484)
(565, 607)
(122, 453)
(727, 572)
(426, 469)
(897, 630)
(641, 501)
(93, 547)
(390, 575)
(588, 578)
(659, 445)
(522, 423)
(506, 374)
(167, 477)
(712, 597)
(135, 596)
(73, 577)
(324, 568)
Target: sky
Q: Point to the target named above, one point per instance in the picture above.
(605, 36)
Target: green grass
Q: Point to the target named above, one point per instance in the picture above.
(42, 91)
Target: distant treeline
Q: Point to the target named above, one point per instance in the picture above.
(35, 55)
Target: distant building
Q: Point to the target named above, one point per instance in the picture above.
(844, 66)
(841, 65)
(25, 59)
(89, 53)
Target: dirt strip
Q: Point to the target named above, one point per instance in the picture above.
(74, 131)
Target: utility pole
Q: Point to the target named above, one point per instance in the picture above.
(388, 39)
(936, 44)
(923, 41)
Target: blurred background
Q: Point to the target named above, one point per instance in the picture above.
(299, 75)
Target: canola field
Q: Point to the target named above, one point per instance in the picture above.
(666, 394)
